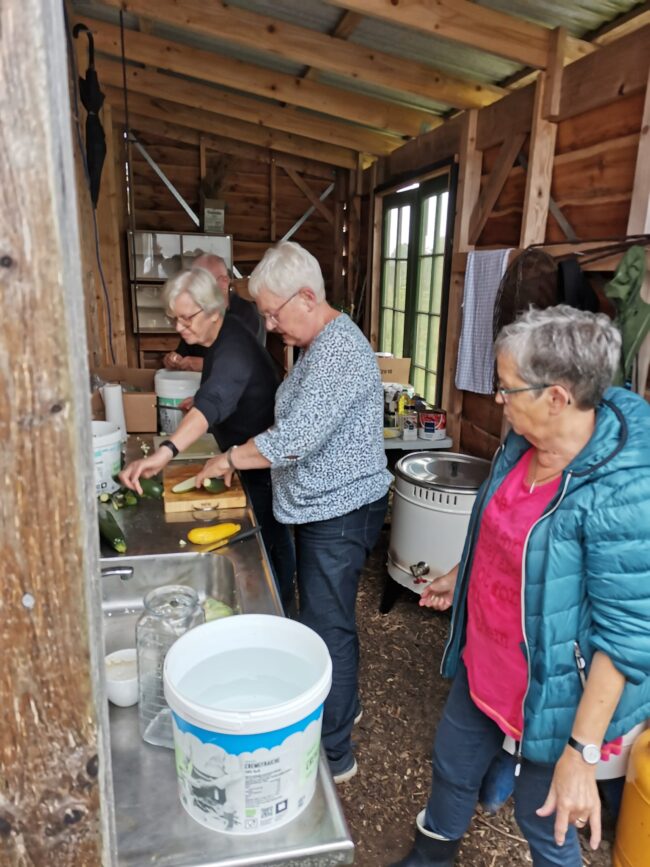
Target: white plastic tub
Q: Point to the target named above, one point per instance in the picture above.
(247, 696)
(172, 388)
(107, 455)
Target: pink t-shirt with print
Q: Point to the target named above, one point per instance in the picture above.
(493, 654)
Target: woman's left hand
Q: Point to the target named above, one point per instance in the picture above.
(573, 797)
(217, 467)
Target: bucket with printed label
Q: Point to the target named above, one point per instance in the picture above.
(246, 695)
(107, 455)
(172, 388)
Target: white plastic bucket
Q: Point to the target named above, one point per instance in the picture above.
(107, 451)
(615, 765)
(172, 388)
(247, 695)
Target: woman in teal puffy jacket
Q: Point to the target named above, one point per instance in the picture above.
(549, 644)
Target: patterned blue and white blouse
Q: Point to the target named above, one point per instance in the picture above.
(326, 446)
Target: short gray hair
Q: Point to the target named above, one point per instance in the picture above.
(285, 269)
(200, 285)
(563, 345)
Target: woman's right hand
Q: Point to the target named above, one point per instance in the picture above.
(145, 467)
(439, 594)
(172, 361)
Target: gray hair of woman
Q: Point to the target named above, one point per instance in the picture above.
(285, 269)
(200, 285)
(563, 345)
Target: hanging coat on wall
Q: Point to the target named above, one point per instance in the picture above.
(633, 314)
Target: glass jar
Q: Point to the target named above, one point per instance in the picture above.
(169, 612)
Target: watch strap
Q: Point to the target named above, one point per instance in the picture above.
(170, 445)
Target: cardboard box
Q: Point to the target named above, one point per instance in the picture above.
(139, 405)
(395, 369)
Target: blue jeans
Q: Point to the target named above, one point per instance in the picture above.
(466, 742)
(276, 536)
(330, 556)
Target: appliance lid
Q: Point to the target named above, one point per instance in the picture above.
(443, 471)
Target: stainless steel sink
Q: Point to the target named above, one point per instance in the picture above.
(122, 597)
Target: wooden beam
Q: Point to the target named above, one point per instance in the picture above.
(639, 219)
(635, 19)
(317, 50)
(218, 69)
(469, 184)
(312, 198)
(540, 173)
(263, 114)
(554, 70)
(346, 25)
(174, 132)
(494, 184)
(617, 70)
(56, 802)
(470, 24)
(210, 122)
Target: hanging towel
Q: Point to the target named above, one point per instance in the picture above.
(475, 367)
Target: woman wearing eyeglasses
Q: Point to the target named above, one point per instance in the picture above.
(326, 452)
(549, 645)
(234, 402)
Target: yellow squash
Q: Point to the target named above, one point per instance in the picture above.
(214, 533)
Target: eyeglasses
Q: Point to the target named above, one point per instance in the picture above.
(504, 392)
(273, 317)
(184, 320)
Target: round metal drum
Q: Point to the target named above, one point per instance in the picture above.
(432, 502)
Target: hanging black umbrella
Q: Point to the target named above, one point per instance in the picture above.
(93, 99)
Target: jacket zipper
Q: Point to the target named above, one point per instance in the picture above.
(581, 663)
(470, 533)
(518, 755)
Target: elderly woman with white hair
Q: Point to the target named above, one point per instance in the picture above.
(549, 645)
(328, 465)
(235, 401)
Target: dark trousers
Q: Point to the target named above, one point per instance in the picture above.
(330, 556)
(276, 537)
(465, 745)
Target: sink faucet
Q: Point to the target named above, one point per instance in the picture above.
(124, 572)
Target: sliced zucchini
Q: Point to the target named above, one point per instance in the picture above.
(185, 485)
(214, 486)
(110, 530)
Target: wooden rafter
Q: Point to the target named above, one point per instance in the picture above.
(210, 122)
(635, 19)
(318, 50)
(217, 69)
(266, 115)
(345, 27)
(312, 198)
(471, 24)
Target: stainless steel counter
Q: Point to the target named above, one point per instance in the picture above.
(152, 826)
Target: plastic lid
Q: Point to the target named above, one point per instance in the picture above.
(444, 471)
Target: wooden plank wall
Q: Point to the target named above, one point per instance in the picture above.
(246, 191)
(596, 145)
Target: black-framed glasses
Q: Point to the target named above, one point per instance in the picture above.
(504, 392)
(184, 320)
(273, 317)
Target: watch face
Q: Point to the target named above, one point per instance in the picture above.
(591, 754)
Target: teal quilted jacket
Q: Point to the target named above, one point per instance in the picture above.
(586, 576)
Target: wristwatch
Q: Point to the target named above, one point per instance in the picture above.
(229, 457)
(590, 752)
(170, 445)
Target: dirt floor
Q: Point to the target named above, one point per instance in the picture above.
(403, 695)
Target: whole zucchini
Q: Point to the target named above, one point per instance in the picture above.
(151, 488)
(110, 530)
(214, 533)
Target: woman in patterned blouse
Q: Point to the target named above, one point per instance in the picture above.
(328, 467)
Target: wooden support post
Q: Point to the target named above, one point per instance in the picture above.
(272, 195)
(377, 218)
(494, 184)
(370, 255)
(339, 239)
(639, 219)
(469, 184)
(110, 247)
(540, 172)
(56, 796)
(354, 228)
(554, 71)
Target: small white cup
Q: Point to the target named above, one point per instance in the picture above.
(122, 677)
